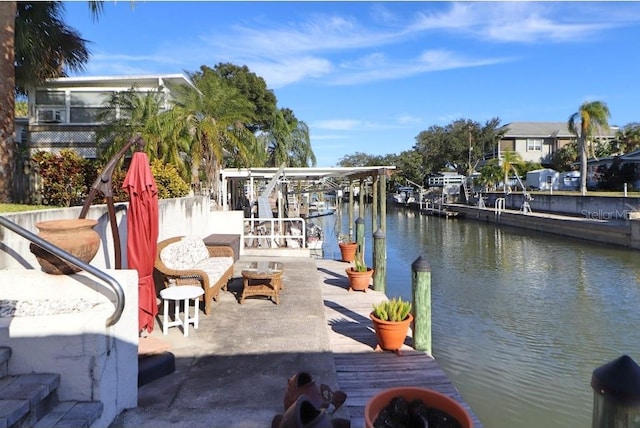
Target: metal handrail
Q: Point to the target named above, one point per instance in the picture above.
(115, 285)
(271, 236)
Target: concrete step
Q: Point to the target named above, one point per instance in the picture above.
(76, 414)
(31, 400)
(5, 354)
(38, 391)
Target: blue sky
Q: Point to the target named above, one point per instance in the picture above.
(370, 76)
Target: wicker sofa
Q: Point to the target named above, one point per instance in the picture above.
(188, 261)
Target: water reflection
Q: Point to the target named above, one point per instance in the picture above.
(520, 320)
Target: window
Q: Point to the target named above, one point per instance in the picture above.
(87, 105)
(93, 99)
(50, 98)
(86, 114)
(534, 144)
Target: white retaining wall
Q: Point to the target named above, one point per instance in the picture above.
(95, 362)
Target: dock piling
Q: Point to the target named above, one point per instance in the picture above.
(379, 261)
(616, 394)
(421, 306)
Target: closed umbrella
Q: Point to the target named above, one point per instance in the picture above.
(142, 235)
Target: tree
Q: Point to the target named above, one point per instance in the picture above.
(254, 89)
(214, 115)
(132, 112)
(628, 137)
(490, 175)
(509, 161)
(48, 49)
(359, 159)
(564, 158)
(408, 167)
(459, 145)
(7, 97)
(289, 142)
(591, 117)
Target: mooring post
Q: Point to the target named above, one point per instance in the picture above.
(379, 261)
(616, 394)
(421, 306)
(360, 235)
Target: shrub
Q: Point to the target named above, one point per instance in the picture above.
(65, 177)
(168, 180)
(395, 309)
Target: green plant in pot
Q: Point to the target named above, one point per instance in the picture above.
(359, 274)
(391, 320)
(348, 247)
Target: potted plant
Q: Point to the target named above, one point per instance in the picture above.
(391, 320)
(359, 274)
(347, 248)
(401, 406)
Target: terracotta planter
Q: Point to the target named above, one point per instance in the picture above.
(348, 251)
(430, 398)
(391, 334)
(359, 281)
(75, 236)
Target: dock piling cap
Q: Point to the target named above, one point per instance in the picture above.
(619, 381)
(421, 264)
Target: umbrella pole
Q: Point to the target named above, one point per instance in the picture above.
(104, 184)
(114, 231)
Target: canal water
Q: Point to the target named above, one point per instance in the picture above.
(520, 320)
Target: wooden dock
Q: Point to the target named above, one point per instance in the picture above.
(362, 371)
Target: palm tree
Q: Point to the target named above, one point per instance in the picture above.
(288, 141)
(509, 160)
(7, 96)
(213, 114)
(592, 116)
(629, 137)
(47, 49)
(132, 112)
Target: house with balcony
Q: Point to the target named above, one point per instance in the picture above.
(63, 112)
(538, 141)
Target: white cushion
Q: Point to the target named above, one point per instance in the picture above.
(184, 254)
(215, 267)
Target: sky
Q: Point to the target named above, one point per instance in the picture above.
(370, 76)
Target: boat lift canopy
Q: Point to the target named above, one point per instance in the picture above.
(320, 179)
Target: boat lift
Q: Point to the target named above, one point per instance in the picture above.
(525, 208)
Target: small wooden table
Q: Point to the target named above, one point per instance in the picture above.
(262, 279)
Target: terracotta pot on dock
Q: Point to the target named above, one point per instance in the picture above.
(75, 236)
(348, 251)
(430, 398)
(391, 334)
(359, 281)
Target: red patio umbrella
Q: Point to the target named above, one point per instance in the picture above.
(142, 234)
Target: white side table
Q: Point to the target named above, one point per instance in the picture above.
(178, 293)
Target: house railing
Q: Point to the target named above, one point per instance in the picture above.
(115, 285)
(275, 232)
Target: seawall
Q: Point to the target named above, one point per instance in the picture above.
(620, 232)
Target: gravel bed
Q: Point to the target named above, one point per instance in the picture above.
(32, 308)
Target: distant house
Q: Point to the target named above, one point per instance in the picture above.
(537, 141)
(63, 112)
(593, 166)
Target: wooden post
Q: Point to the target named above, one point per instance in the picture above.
(360, 235)
(361, 199)
(374, 203)
(383, 201)
(350, 210)
(421, 306)
(379, 261)
(616, 394)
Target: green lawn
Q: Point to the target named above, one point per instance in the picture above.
(14, 208)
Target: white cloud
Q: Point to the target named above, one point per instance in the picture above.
(515, 21)
(337, 124)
